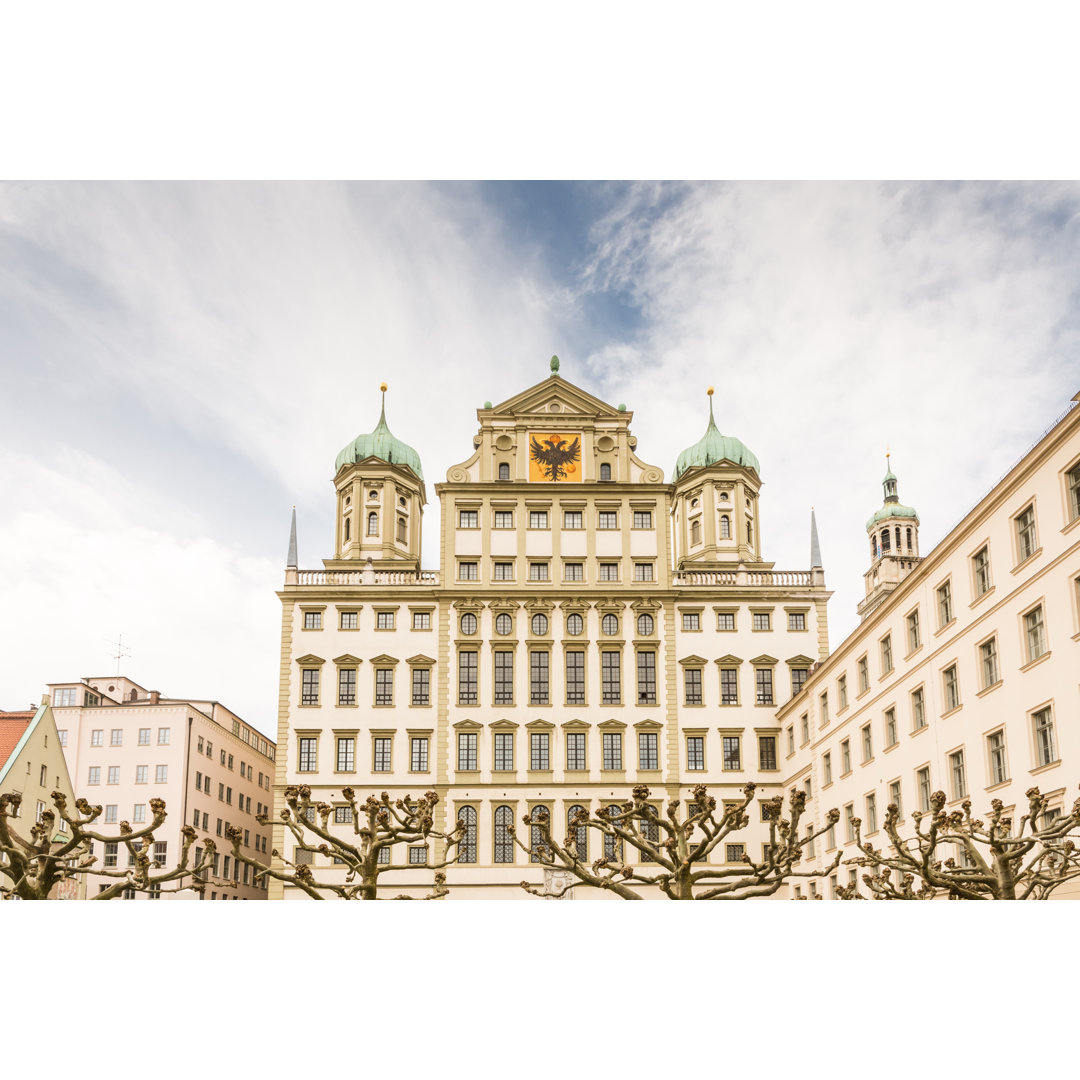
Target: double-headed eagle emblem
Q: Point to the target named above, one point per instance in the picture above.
(554, 456)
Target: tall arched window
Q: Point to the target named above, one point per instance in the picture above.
(609, 624)
(909, 539)
(613, 847)
(897, 537)
(504, 844)
(873, 547)
(373, 524)
(695, 532)
(749, 532)
(725, 527)
(348, 529)
(467, 848)
(645, 625)
(539, 624)
(885, 542)
(605, 472)
(649, 831)
(401, 527)
(579, 835)
(538, 849)
(504, 471)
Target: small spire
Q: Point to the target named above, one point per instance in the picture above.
(382, 412)
(291, 563)
(554, 365)
(712, 422)
(815, 547)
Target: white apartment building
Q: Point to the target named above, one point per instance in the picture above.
(125, 745)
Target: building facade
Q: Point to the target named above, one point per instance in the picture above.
(964, 674)
(125, 745)
(591, 626)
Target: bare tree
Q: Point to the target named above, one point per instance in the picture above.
(964, 858)
(673, 848)
(378, 824)
(34, 867)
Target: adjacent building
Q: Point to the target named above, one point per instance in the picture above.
(125, 745)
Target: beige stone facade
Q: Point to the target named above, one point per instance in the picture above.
(591, 626)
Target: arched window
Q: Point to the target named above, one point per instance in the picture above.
(578, 836)
(468, 623)
(348, 529)
(725, 527)
(504, 844)
(613, 847)
(909, 539)
(695, 532)
(644, 625)
(873, 547)
(538, 849)
(649, 831)
(885, 542)
(504, 471)
(467, 848)
(373, 524)
(503, 623)
(605, 471)
(574, 624)
(401, 526)
(610, 625)
(897, 537)
(749, 532)
(134, 695)
(539, 624)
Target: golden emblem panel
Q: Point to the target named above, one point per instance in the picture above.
(554, 456)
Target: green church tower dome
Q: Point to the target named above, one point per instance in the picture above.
(382, 444)
(892, 507)
(713, 447)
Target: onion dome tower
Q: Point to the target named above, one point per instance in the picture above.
(380, 492)
(717, 481)
(894, 545)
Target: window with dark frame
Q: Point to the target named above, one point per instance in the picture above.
(729, 686)
(610, 677)
(346, 686)
(421, 686)
(647, 752)
(504, 751)
(381, 755)
(732, 752)
(504, 843)
(418, 757)
(646, 677)
(539, 685)
(540, 751)
(612, 745)
(346, 753)
(467, 845)
(504, 677)
(575, 750)
(308, 758)
(575, 677)
(466, 751)
(767, 752)
(692, 686)
(467, 677)
(384, 686)
(309, 693)
(695, 753)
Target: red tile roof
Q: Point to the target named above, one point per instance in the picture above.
(12, 726)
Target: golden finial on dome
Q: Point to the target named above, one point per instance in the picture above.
(709, 391)
(383, 387)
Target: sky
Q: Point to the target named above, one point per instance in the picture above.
(181, 362)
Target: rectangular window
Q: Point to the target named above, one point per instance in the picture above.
(944, 599)
(922, 785)
(981, 567)
(346, 754)
(468, 519)
(886, 654)
(381, 756)
(504, 571)
(1045, 750)
(790, 739)
(988, 659)
(1035, 634)
(312, 620)
(308, 760)
(763, 682)
(385, 620)
(767, 752)
(841, 691)
(959, 775)
(418, 757)
(894, 797)
(692, 686)
(845, 757)
(349, 620)
(161, 774)
(114, 774)
(571, 519)
(418, 855)
(867, 743)
(612, 741)
(871, 813)
(504, 677)
(607, 519)
(467, 571)
(646, 677)
(575, 750)
(504, 752)
(538, 571)
(467, 677)
(540, 751)
(97, 737)
(643, 519)
(504, 519)
(918, 710)
(138, 815)
(141, 774)
(849, 821)
(421, 686)
(999, 766)
(573, 571)
(539, 688)
(643, 571)
(610, 677)
(824, 702)
(384, 686)
(309, 693)
(798, 680)
(111, 850)
(761, 620)
(826, 769)
(346, 694)
(64, 698)
(116, 737)
(575, 677)
(1072, 479)
(729, 686)
(804, 724)
(952, 688)
(144, 737)
(647, 753)
(695, 753)
(421, 620)
(691, 620)
(725, 620)
(732, 753)
(914, 641)
(796, 620)
(609, 571)
(1025, 533)
(538, 519)
(891, 735)
(110, 813)
(466, 751)
(864, 675)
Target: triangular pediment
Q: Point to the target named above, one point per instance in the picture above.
(467, 725)
(695, 661)
(571, 400)
(575, 725)
(384, 659)
(420, 660)
(310, 659)
(764, 660)
(504, 725)
(612, 725)
(544, 724)
(347, 658)
(799, 660)
(729, 659)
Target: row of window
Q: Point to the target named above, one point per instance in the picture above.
(223, 827)
(350, 620)
(230, 870)
(401, 535)
(539, 519)
(503, 471)
(226, 760)
(540, 570)
(142, 772)
(116, 736)
(68, 697)
(112, 853)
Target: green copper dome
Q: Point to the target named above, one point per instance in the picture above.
(893, 508)
(713, 447)
(380, 444)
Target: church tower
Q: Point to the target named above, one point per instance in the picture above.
(894, 545)
(380, 501)
(715, 509)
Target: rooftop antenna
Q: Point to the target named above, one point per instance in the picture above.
(122, 651)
